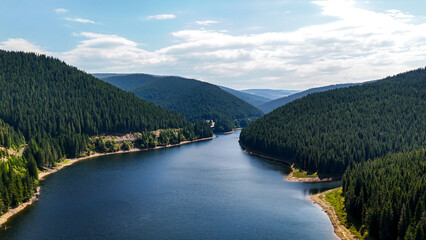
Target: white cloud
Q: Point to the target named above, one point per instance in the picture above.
(161, 17)
(357, 45)
(19, 44)
(206, 22)
(80, 20)
(61, 10)
(112, 53)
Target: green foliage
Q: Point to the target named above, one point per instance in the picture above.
(9, 138)
(388, 195)
(336, 199)
(194, 99)
(329, 131)
(16, 183)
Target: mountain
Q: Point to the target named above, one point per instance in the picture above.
(270, 94)
(129, 82)
(52, 108)
(327, 132)
(194, 99)
(252, 99)
(271, 105)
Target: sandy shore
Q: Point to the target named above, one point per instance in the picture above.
(69, 162)
(339, 229)
(22, 206)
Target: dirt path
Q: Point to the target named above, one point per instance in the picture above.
(339, 229)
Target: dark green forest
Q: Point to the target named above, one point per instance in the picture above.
(388, 195)
(194, 99)
(330, 131)
(55, 108)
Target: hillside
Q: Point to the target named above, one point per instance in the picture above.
(194, 99)
(56, 107)
(271, 105)
(270, 94)
(246, 97)
(388, 195)
(128, 82)
(327, 132)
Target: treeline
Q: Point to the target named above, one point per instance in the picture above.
(388, 195)
(329, 131)
(55, 108)
(150, 139)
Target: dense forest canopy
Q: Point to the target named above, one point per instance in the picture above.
(194, 99)
(53, 108)
(388, 195)
(329, 131)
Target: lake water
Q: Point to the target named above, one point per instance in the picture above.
(204, 190)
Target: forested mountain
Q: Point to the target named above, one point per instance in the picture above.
(247, 97)
(327, 132)
(194, 99)
(271, 105)
(129, 82)
(56, 108)
(388, 195)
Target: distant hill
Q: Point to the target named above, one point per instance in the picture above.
(105, 75)
(253, 99)
(196, 100)
(129, 82)
(270, 94)
(269, 106)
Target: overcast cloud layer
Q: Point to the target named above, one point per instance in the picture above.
(355, 45)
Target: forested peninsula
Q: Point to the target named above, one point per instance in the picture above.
(50, 111)
(373, 136)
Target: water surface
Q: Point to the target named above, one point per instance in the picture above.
(204, 190)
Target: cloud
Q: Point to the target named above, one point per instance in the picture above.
(112, 53)
(61, 10)
(80, 20)
(161, 17)
(355, 45)
(206, 22)
(19, 44)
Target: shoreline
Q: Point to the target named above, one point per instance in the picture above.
(68, 162)
(290, 176)
(339, 229)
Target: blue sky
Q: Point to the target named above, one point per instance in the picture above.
(278, 44)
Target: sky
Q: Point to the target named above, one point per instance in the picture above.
(274, 44)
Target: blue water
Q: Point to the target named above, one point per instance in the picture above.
(204, 190)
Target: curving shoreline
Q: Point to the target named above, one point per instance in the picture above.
(290, 177)
(340, 230)
(68, 162)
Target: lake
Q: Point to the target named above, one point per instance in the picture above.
(203, 190)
